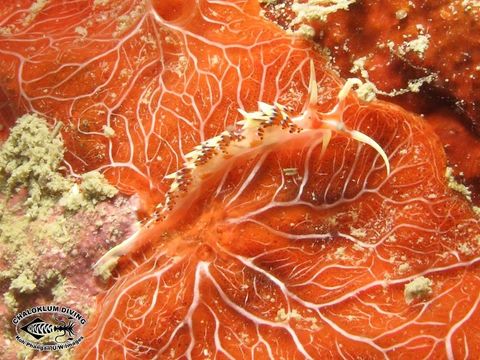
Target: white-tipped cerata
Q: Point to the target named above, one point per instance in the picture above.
(265, 108)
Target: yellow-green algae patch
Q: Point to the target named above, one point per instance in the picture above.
(461, 189)
(318, 10)
(90, 192)
(418, 289)
(456, 186)
(31, 158)
(38, 207)
(34, 191)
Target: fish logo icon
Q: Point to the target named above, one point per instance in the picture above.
(39, 328)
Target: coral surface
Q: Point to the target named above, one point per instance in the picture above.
(316, 222)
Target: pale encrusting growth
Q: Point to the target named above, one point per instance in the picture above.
(108, 131)
(304, 30)
(418, 289)
(80, 30)
(456, 186)
(50, 220)
(32, 158)
(34, 10)
(92, 189)
(126, 21)
(319, 9)
(368, 91)
(418, 45)
(98, 3)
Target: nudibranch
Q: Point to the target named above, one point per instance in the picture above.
(257, 132)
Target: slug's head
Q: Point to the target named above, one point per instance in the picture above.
(312, 118)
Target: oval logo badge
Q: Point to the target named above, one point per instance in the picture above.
(49, 327)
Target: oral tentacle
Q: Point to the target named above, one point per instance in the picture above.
(363, 138)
